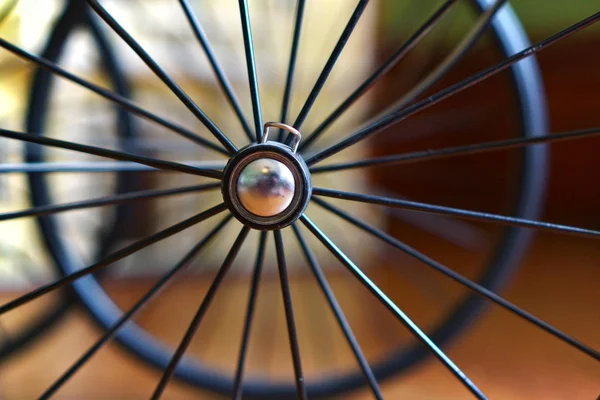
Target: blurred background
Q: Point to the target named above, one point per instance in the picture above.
(556, 279)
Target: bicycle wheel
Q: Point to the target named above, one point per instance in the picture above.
(39, 111)
(267, 186)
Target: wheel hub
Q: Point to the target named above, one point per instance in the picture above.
(267, 185)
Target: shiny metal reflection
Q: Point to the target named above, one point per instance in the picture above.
(265, 187)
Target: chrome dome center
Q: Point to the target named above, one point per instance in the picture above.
(266, 187)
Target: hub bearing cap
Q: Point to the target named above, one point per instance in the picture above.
(267, 185)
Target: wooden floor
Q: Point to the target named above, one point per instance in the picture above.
(507, 358)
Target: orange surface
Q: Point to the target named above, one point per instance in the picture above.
(506, 357)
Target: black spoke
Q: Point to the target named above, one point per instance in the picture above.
(457, 232)
(379, 73)
(107, 94)
(105, 201)
(339, 314)
(386, 301)
(193, 327)
(112, 258)
(289, 80)
(185, 261)
(403, 113)
(337, 50)
(94, 167)
(251, 67)
(158, 71)
(435, 154)
(289, 316)
(239, 374)
(460, 279)
(451, 59)
(459, 212)
(115, 155)
(217, 69)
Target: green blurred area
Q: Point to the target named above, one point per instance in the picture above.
(540, 17)
(551, 15)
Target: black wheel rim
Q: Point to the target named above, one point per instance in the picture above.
(180, 366)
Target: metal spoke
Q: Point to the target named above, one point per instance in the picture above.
(401, 114)
(239, 374)
(452, 230)
(112, 258)
(435, 154)
(193, 327)
(251, 67)
(289, 80)
(460, 279)
(94, 167)
(115, 155)
(337, 50)
(105, 201)
(457, 232)
(183, 263)
(386, 301)
(451, 59)
(379, 73)
(459, 212)
(114, 97)
(289, 316)
(158, 71)
(217, 69)
(339, 314)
